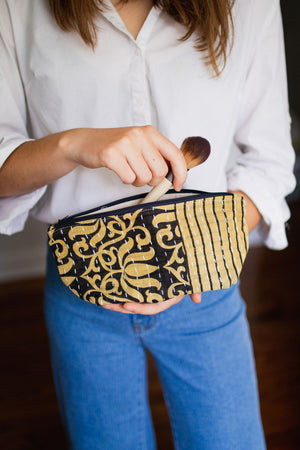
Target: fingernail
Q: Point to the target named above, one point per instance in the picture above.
(198, 298)
(178, 188)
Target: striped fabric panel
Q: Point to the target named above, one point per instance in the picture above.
(215, 240)
(228, 234)
(186, 222)
(211, 271)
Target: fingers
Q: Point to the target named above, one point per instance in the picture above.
(141, 155)
(196, 297)
(173, 155)
(117, 308)
(143, 308)
(149, 308)
(146, 162)
(156, 163)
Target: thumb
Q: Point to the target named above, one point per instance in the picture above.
(196, 297)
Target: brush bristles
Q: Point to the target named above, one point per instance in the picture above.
(196, 150)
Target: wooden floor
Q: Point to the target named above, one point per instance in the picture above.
(29, 415)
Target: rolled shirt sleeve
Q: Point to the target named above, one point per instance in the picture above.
(264, 169)
(13, 131)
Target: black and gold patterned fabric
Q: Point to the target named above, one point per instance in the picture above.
(152, 252)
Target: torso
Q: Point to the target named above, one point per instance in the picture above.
(133, 13)
(158, 80)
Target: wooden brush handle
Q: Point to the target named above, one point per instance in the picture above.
(157, 192)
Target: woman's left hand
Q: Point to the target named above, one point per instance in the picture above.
(149, 308)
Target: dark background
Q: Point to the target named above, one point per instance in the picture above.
(29, 418)
(291, 22)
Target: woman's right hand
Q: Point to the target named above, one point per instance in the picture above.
(138, 155)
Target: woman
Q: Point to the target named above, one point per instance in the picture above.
(98, 97)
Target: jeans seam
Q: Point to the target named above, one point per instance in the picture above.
(141, 413)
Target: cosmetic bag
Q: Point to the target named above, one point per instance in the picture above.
(186, 242)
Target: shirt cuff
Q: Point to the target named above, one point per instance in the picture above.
(275, 211)
(14, 211)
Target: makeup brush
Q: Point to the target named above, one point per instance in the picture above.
(196, 150)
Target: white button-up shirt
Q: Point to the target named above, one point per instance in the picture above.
(51, 81)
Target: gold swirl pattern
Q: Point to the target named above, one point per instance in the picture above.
(153, 253)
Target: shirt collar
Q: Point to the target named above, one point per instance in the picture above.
(111, 14)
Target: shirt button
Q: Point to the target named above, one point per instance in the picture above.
(141, 100)
(138, 51)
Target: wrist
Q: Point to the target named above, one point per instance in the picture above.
(67, 145)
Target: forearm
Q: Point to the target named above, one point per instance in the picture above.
(138, 155)
(34, 164)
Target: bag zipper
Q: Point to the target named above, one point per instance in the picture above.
(85, 215)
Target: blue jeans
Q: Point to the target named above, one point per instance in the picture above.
(203, 355)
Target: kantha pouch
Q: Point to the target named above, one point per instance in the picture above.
(186, 242)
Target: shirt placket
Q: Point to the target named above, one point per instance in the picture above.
(139, 86)
(141, 113)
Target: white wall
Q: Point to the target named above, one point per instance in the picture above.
(23, 255)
